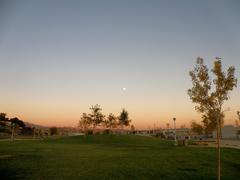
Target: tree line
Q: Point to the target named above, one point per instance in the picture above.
(96, 119)
(15, 126)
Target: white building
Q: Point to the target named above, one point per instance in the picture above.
(228, 132)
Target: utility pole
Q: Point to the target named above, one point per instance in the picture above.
(167, 130)
(238, 113)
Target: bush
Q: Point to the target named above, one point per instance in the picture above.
(160, 135)
(89, 132)
(53, 131)
(107, 131)
(182, 142)
(5, 130)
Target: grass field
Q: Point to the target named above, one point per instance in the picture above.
(112, 157)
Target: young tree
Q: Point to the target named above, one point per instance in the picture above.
(210, 95)
(96, 115)
(197, 128)
(111, 121)
(3, 119)
(124, 119)
(85, 122)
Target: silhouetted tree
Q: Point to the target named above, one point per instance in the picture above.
(96, 115)
(197, 128)
(4, 122)
(124, 119)
(28, 131)
(133, 129)
(210, 95)
(53, 131)
(85, 122)
(111, 121)
(3, 119)
(16, 124)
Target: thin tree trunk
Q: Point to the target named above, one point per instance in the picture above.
(218, 148)
(13, 129)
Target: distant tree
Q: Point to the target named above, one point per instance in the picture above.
(210, 95)
(96, 115)
(16, 124)
(28, 131)
(210, 122)
(3, 119)
(197, 128)
(53, 131)
(111, 121)
(85, 122)
(183, 126)
(133, 129)
(124, 119)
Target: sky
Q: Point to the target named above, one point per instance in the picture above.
(57, 58)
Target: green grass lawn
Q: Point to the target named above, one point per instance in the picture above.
(112, 157)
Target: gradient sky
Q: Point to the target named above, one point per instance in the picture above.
(59, 57)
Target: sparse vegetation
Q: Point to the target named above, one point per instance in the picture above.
(96, 119)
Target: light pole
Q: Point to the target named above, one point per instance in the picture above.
(218, 117)
(167, 130)
(238, 113)
(175, 138)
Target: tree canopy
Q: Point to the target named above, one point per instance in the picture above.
(124, 119)
(210, 94)
(97, 119)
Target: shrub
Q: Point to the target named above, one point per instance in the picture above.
(89, 132)
(107, 131)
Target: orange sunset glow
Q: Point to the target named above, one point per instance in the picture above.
(52, 71)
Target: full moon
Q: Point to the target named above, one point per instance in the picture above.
(124, 89)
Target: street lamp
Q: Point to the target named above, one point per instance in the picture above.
(175, 138)
(238, 113)
(167, 130)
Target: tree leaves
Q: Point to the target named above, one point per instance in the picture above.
(209, 95)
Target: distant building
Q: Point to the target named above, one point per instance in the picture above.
(228, 132)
